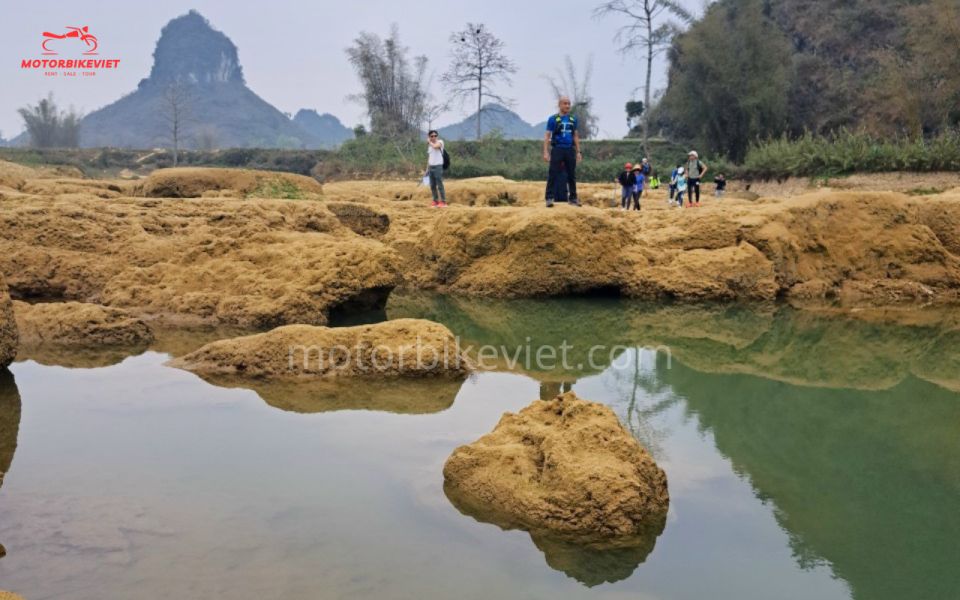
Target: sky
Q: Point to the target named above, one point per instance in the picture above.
(292, 52)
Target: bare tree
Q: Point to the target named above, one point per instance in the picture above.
(650, 26)
(50, 127)
(393, 89)
(478, 64)
(177, 104)
(577, 88)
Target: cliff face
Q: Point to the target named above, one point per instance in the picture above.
(191, 50)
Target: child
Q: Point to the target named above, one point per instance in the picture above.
(721, 182)
(627, 181)
(673, 184)
(680, 181)
(638, 186)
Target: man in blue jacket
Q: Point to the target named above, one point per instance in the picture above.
(561, 148)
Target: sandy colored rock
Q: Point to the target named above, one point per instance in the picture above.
(78, 324)
(194, 182)
(9, 338)
(401, 348)
(245, 262)
(565, 466)
(9, 595)
(13, 175)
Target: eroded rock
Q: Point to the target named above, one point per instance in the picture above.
(402, 348)
(194, 182)
(79, 324)
(8, 327)
(562, 467)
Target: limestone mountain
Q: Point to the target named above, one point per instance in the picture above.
(219, 110)
(495, 118)
(325, 131)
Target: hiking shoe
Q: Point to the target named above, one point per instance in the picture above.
(442, 204)
(549, 203)
(575, 202)
(435, 204)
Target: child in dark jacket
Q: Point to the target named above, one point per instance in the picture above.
(721, 182)
(627, 181)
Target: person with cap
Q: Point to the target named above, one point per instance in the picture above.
(638, 185)
(627, 181)
(695, 172)
(680, 182)
(561, 145)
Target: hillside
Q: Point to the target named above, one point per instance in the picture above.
(494, 118)
(783, 66)
(221, 111)
(325, 131)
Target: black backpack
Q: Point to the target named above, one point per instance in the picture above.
(446, 159)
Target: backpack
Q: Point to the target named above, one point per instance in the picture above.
(446, 158)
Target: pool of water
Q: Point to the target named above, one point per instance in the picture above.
(809, 455)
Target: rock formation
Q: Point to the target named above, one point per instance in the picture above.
(8, 327)
(194, 182)
(563, 466)
(403, 348)
(77, 324)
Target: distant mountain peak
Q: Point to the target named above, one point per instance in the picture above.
(189, 49)
(494, 117)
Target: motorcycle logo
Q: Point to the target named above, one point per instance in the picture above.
(81, 33)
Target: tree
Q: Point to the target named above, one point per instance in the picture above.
(649, 29)
(479, 63)
(577, 88)
(634, 109)
(393, 88)
(177, 102)
(726, 91)
(50, 127)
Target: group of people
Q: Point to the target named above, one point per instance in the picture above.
(561, 150)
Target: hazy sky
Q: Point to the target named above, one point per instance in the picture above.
(292, 52)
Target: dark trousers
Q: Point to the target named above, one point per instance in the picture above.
(636, 200)
(568, 158)
(693, 184)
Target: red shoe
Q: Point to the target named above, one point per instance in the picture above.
(435, 204)
(697, 205)
(442, 204)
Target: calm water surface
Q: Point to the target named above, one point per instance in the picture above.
(808, 456)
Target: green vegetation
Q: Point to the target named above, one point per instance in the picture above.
(846, 153)
(755, 69)
(277, 188)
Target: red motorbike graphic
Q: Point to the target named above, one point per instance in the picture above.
(72, 32)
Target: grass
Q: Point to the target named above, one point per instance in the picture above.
(847, 152)
(277, 188)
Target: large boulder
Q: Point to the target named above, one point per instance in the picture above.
(402, 348)
(79, 324)
(562, 466)
(8, 327)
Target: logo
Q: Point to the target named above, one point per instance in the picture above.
(81, 33)
(75, 41)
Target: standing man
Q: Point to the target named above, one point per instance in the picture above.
(561, 147)
(435, 168)
(695, 172)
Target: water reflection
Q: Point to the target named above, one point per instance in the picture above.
(591, 562)
(868, 482)
(9, 425)
(404, 396)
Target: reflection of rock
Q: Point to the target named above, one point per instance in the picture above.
(421, 396)
(401, 348)
(77, 324)
(592, 565)
(78, 358)
(867, 480)
(9, 420)
(563, 465)
(870, 349)
(8, 327)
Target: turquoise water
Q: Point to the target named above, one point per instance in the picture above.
(808, 456)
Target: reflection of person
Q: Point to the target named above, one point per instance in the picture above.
(551, 389)
(435, 168)
(561, 146)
